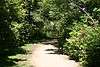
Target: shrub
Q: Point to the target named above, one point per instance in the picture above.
(84, 45)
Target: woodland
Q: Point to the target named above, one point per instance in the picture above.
(74, 23)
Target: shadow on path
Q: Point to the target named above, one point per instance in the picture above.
(5, 61)
(47, 55)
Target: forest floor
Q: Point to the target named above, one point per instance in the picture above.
(45, 55)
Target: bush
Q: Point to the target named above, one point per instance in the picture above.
(84, 45)
(24, 32)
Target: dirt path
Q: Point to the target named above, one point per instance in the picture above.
(46, 56)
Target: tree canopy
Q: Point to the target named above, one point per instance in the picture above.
(75, 23)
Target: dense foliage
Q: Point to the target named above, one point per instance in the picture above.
(75, 23)
(84, 44)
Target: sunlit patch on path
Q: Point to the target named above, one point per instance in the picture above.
(46, 56)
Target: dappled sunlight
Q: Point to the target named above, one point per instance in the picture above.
(44, 32)
(45, 56)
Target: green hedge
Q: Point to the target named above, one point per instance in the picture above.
(84, 45)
